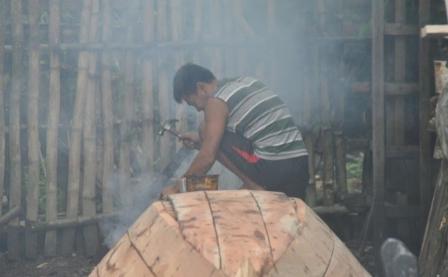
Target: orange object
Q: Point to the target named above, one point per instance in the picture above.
(229, 233)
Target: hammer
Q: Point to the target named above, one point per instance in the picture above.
(169, 126)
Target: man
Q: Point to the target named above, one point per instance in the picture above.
(246, 127)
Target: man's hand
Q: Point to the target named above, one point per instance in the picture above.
(191, 140)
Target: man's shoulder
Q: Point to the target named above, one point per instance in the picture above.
(230, 86)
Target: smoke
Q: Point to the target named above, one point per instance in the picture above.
(142, 191)
(132, 196)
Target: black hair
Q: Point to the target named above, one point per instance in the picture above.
(186, 79)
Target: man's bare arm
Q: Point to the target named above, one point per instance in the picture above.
(215, 117)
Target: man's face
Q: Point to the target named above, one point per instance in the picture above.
(198, 99)
(195, 100)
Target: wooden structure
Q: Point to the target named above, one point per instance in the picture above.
(229, 233)
(401, 153)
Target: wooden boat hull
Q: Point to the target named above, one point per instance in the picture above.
(229, 233)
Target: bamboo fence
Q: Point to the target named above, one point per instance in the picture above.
(84, 87)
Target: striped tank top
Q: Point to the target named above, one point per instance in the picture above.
(260, 116)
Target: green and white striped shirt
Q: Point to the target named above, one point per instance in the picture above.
(259, 115)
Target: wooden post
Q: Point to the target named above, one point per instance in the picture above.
(76, 129)
(2, 107)
(53, 127)
(327, 132)
(328, 170)
(89, 141)
(15, 191)
(108, 117)
(400, 74)
(378, 141)
(341, 172)
(32, 192)
(425, 153)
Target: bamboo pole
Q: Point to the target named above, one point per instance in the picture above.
(238, 27)
(148, 94)
(10, 215)
(198, 23)
(198, 19)
(2, 108)
(32, 192)
(108, 117)
(217, 27)
(15, 191)
(89, 141)
(72, 222)
(176, 35)
(53, 130)
(272, 26)
(75, 147)
(125, 130)
(166, 142)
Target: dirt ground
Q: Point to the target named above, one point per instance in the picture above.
(74, 266)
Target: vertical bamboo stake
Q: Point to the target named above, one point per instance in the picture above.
(125, 130)
(148, 97)
(15, 190)
(176, 33)
(106, 86)
(89, 141)
(164, 86)
(237, 12)
(2, 108)
(198, 19)
(217, 27)
(197, 34)
(32, 193)
(271, 32)
(53, 130)
(76, 129)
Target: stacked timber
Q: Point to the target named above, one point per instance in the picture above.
(229, 233)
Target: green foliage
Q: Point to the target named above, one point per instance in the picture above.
(354, 167)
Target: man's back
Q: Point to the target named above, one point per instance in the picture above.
(260, 116)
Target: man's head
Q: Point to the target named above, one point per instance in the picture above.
(193, 84)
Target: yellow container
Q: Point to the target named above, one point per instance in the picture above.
(206, 182)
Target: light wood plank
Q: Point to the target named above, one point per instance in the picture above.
(240, 229)
(164, 248)
(280, 219)
(196, 224)
(434, 31)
